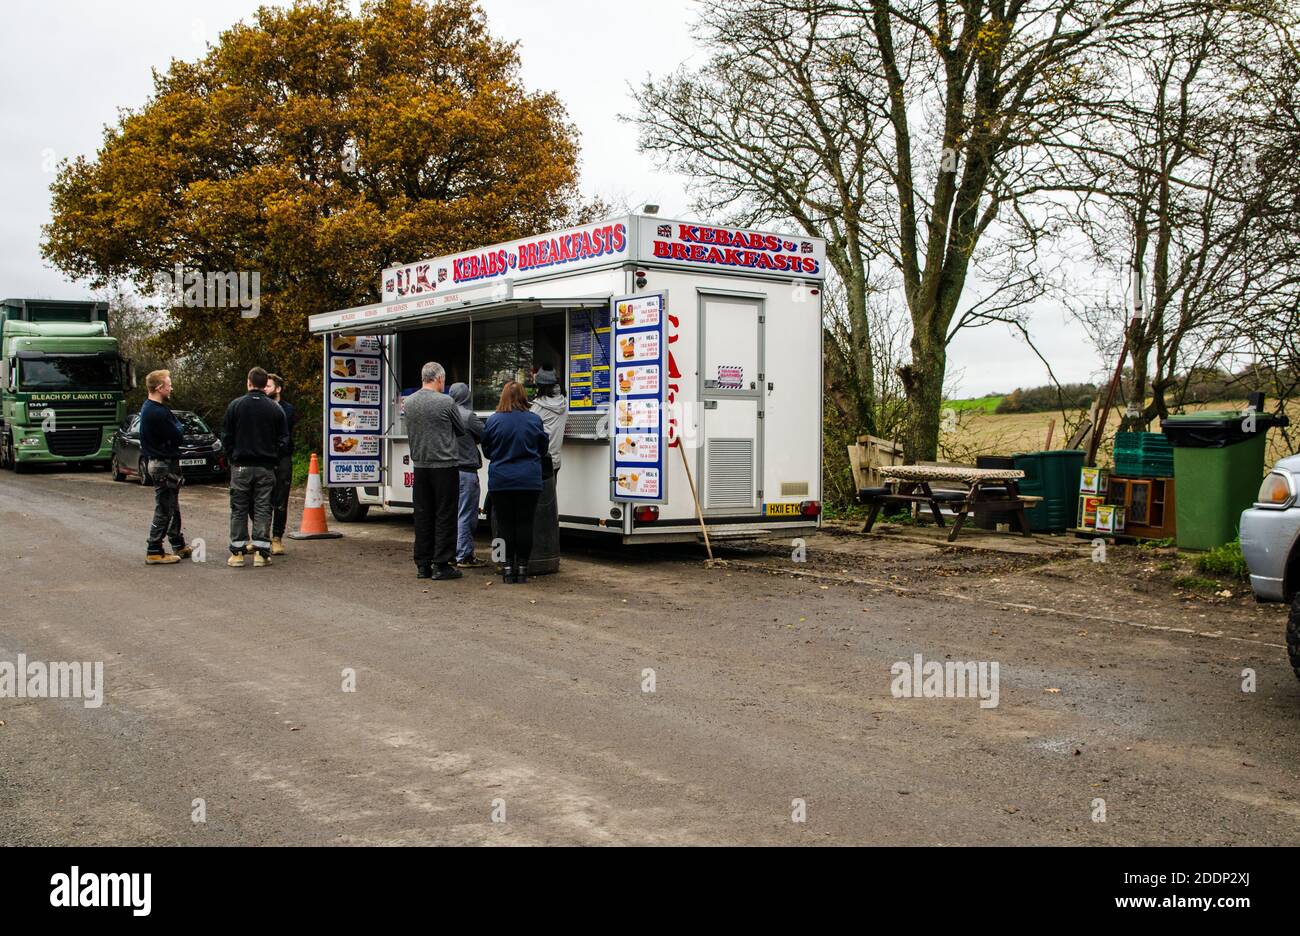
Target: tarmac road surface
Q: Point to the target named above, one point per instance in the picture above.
(474, 702)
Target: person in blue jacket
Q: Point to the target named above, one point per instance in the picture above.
(515, 443)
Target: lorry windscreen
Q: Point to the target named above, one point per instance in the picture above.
(69, 372)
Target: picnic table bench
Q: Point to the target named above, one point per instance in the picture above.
(987, 490)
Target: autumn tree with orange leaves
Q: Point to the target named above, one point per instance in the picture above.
(315, 147)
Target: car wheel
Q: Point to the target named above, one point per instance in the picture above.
(345, 507)
(118, 473)
(145, 481)
(1293, 635)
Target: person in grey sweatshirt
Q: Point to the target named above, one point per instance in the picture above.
(551, 405)
(434, 427)
(470, 462)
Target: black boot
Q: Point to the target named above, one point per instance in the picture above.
(446, 572)
(507, 575)
(424, 570)
(521, 573)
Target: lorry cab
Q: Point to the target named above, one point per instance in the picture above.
(689, 357)
(62, 383)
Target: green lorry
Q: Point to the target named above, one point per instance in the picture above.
(62, 383)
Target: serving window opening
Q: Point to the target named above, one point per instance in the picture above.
(514, 348)
(446, 344)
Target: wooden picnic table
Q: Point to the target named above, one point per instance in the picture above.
(988, 490)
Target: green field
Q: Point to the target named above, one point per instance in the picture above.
(986, 404)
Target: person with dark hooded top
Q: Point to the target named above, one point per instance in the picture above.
(469, 494)
(515, 443)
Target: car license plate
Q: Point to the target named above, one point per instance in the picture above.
(193, 462)
(780, 510)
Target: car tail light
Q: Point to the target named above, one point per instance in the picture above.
(645, 514)
(1276, 490)
(810, 508)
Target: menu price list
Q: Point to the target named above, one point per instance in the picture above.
(639, 347)
(355, 411)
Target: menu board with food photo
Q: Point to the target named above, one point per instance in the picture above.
(355, 446)
(639, 483)
(352, 367)
(355, 344)
(644, 379)
(354, 420)
(354, 410)
(365, 394)
(638, 414)
(638, 346)
(637, 443)
(637, 448)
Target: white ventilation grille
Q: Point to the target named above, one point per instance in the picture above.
(729, 473)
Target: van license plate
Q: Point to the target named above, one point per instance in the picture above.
(780, 510)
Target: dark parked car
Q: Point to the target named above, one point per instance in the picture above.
(201, 455)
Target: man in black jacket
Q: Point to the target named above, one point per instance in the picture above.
(255, 435)
(160, 443)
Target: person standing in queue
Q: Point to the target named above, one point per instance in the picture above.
(255, 435)
(283, 470)
(160, 442)
(434, 427)
(514, 442)
(469, 495)
(553, 408)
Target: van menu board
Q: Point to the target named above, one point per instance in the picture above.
(354, 411)
(589, 373)
(638, 443)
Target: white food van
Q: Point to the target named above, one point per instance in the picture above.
(668, 336)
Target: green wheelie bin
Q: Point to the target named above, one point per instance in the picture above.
(1218, 464)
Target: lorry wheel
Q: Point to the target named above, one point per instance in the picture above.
(345, 507)
(1293, 635)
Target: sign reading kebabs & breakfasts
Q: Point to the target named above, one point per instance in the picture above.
(637, 238)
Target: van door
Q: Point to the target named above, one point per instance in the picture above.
(731, 383)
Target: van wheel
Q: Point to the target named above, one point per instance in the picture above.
(345, 507)
(1293, 635)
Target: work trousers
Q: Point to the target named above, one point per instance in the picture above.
(434, 494)
(166, 477)
(251, 489)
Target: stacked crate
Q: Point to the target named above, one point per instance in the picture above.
(1143, 455)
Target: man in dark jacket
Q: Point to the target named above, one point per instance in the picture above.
(160, 443)
(433, 426)
(284, 470)
(255, 435)
(470, 462)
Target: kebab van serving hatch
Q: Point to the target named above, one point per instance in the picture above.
(670, 337)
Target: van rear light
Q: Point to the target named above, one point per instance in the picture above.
(810, 508)
(645, 514)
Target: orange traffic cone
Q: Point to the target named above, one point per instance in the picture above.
(313, 509)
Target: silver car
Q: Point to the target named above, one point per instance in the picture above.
(1270, 542)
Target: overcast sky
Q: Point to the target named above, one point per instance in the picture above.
(70, 64)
